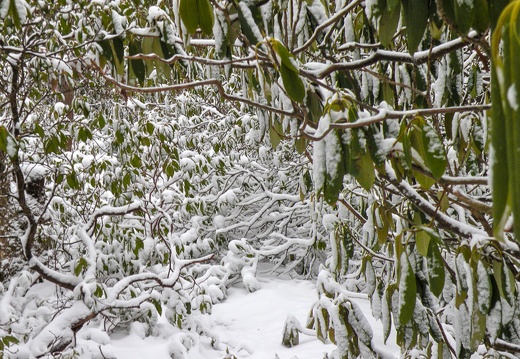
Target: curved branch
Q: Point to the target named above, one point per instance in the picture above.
(238, 63)
(418, 58)
(194, 84)
(110, 211)
(385, 114)
(445, 222)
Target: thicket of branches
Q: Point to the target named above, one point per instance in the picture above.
(152, 154)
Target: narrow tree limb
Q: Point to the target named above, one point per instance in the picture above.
(418, 58)
(202, 83)
(385, 114)
(445, 222)
(340, 15)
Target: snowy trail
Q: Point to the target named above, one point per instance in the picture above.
(254, 321)
(248, 325)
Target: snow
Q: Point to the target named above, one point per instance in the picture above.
(33, 171)
(254, 321)
(512, 97)
(155, 13)
(21, 8)
(247, 325)
(248, 16)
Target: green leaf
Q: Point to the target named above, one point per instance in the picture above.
(136, 161)
(436, 270)
(4, 134)
(106, 50)
(359, 323)
(82, 264)
(314, 105)
(505, 281)
(292, 83)
(495, 9)
(206, 18)
(407, 291)
(84, 134)
(478, 330)
(424, 181)
(335, 171)
(422, 242)
(370, 277)
(158, 306)
(366, 174)
(322, 324)
(37, 129)
(484, 288)
(285, 56)
(137, 66)
(223, 43)
(386, 310)
(300, 143)
(139, 244)
(464, 15)
(404, 138)
(72, 181)
(98, 292)
(51, 145)
(119, 49)
(434, 155)
(150, 128)
(189, 14)
(13, 13)
(253, 30)
(275, 133)
(481, 16)
(157, 47)
(8, 340)
(388, 23)
(415, 14)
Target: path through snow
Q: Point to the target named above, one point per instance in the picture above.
(248, 325)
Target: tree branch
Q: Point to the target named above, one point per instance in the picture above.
(418, 58)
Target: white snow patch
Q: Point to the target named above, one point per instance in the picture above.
(512, 97)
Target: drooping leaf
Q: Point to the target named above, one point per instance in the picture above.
(434, 154)
(206, 17)
(314, 105)
(484, 288)
(407, 291)
(495, 9)
(388, 23)
(366, 173)
(359, 323)
(137, 66)
(436, 270)
(481, 18)
(300, 144)
(335, 169)
(222, 42)
(464, 15)
(422, 242)
(275, 133)
(251, 21)
(189, 14)
(3, 138)
(285, 56)
(81, 264)
(106, 50)
(292, 83)
(415, 14)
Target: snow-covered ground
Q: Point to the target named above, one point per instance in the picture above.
(247, 325)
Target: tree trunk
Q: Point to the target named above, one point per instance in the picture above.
(4, 205)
